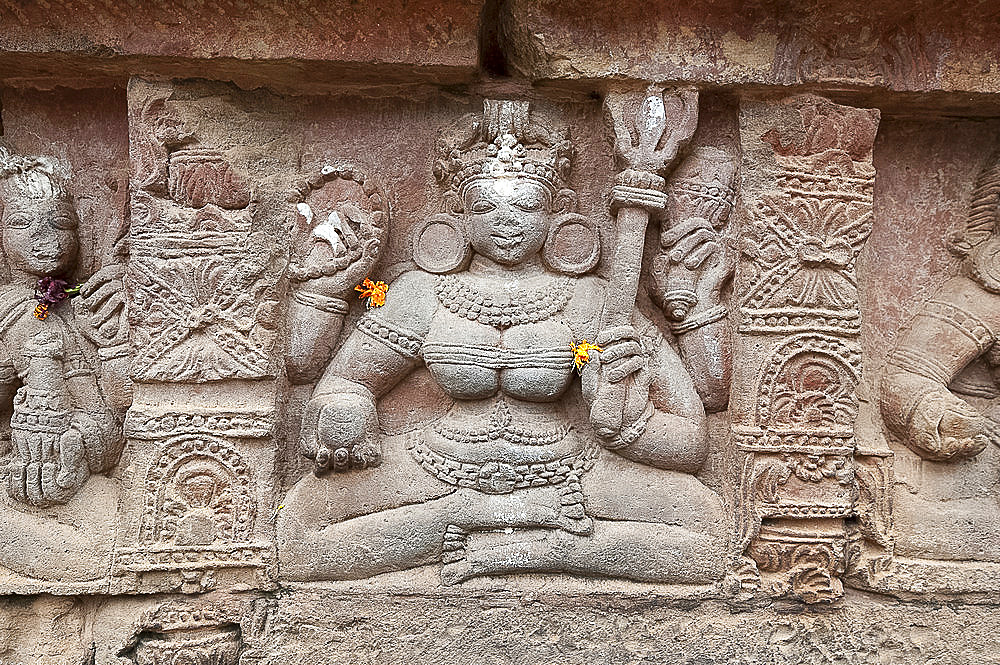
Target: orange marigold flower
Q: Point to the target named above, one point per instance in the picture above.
(41, 311)
(581, 353)
(374, 291)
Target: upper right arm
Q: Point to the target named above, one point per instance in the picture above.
(385, 345)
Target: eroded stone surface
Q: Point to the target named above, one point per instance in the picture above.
(380, 357)
(894, 45)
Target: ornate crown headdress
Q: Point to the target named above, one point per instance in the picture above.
(30, 177)
(505, 141)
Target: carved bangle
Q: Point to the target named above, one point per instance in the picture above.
(327, 304)
(112, 352)
(631, 433)
(710, 315)
(623, 196)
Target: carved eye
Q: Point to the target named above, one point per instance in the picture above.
(63, 222)
(19, 221)
(481, 206)
(529, 203)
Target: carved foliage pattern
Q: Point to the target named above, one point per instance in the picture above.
(803, 233)
(203, 298)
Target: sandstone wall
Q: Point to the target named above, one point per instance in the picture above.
(515, 331)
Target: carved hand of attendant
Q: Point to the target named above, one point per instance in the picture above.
(340, 433)
(102, 296)
(695, 255)
(621, 359)
(50, 471)
(336, 253)
(944, 427)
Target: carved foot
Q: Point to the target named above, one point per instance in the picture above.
(455, 569)
(572, 517)
(499, 553)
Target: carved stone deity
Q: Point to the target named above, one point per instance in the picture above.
(939, 396)
(62, 363)
(528, 469)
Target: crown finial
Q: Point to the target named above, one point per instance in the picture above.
(506, 141)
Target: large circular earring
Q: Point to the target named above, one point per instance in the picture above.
(573, 245)
(441, 245)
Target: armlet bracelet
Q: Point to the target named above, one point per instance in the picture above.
(322, 303)
(710, 315)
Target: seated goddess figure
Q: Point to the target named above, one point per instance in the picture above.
(514, 477)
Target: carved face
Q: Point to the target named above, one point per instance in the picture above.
(39, 235)
(199, 489)
(507, 218)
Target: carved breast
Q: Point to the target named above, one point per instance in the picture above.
(471, 360)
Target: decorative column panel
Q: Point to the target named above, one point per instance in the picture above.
(805, 213)
(203, 315)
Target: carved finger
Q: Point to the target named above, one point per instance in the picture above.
(17, 481)
(33, 483)
(637, 396)
(111, 328)
(687, 244)
(112, 273)
(106, 290)
(71, 458)
(105, 314)
(615, 334)
(620, 350)
(683, 228)
(700, 254)
(50, 449)
(589, 381)
(352, 214)
(20, 441)
(50, 489)
(112, 332)
(624, 368)
(34, 446)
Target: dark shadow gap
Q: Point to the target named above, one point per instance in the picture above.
(492, 54)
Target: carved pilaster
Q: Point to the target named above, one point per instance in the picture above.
(806, 211)
(204, 318)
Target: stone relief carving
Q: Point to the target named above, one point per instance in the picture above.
(806, 203)
(203, 296)
(203, 635)
(938, 396)
(64, 356)
(529, 470)
(198, 514)
(298, 363)
(205, 319)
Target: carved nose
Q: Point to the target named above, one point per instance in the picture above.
(505, 217)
